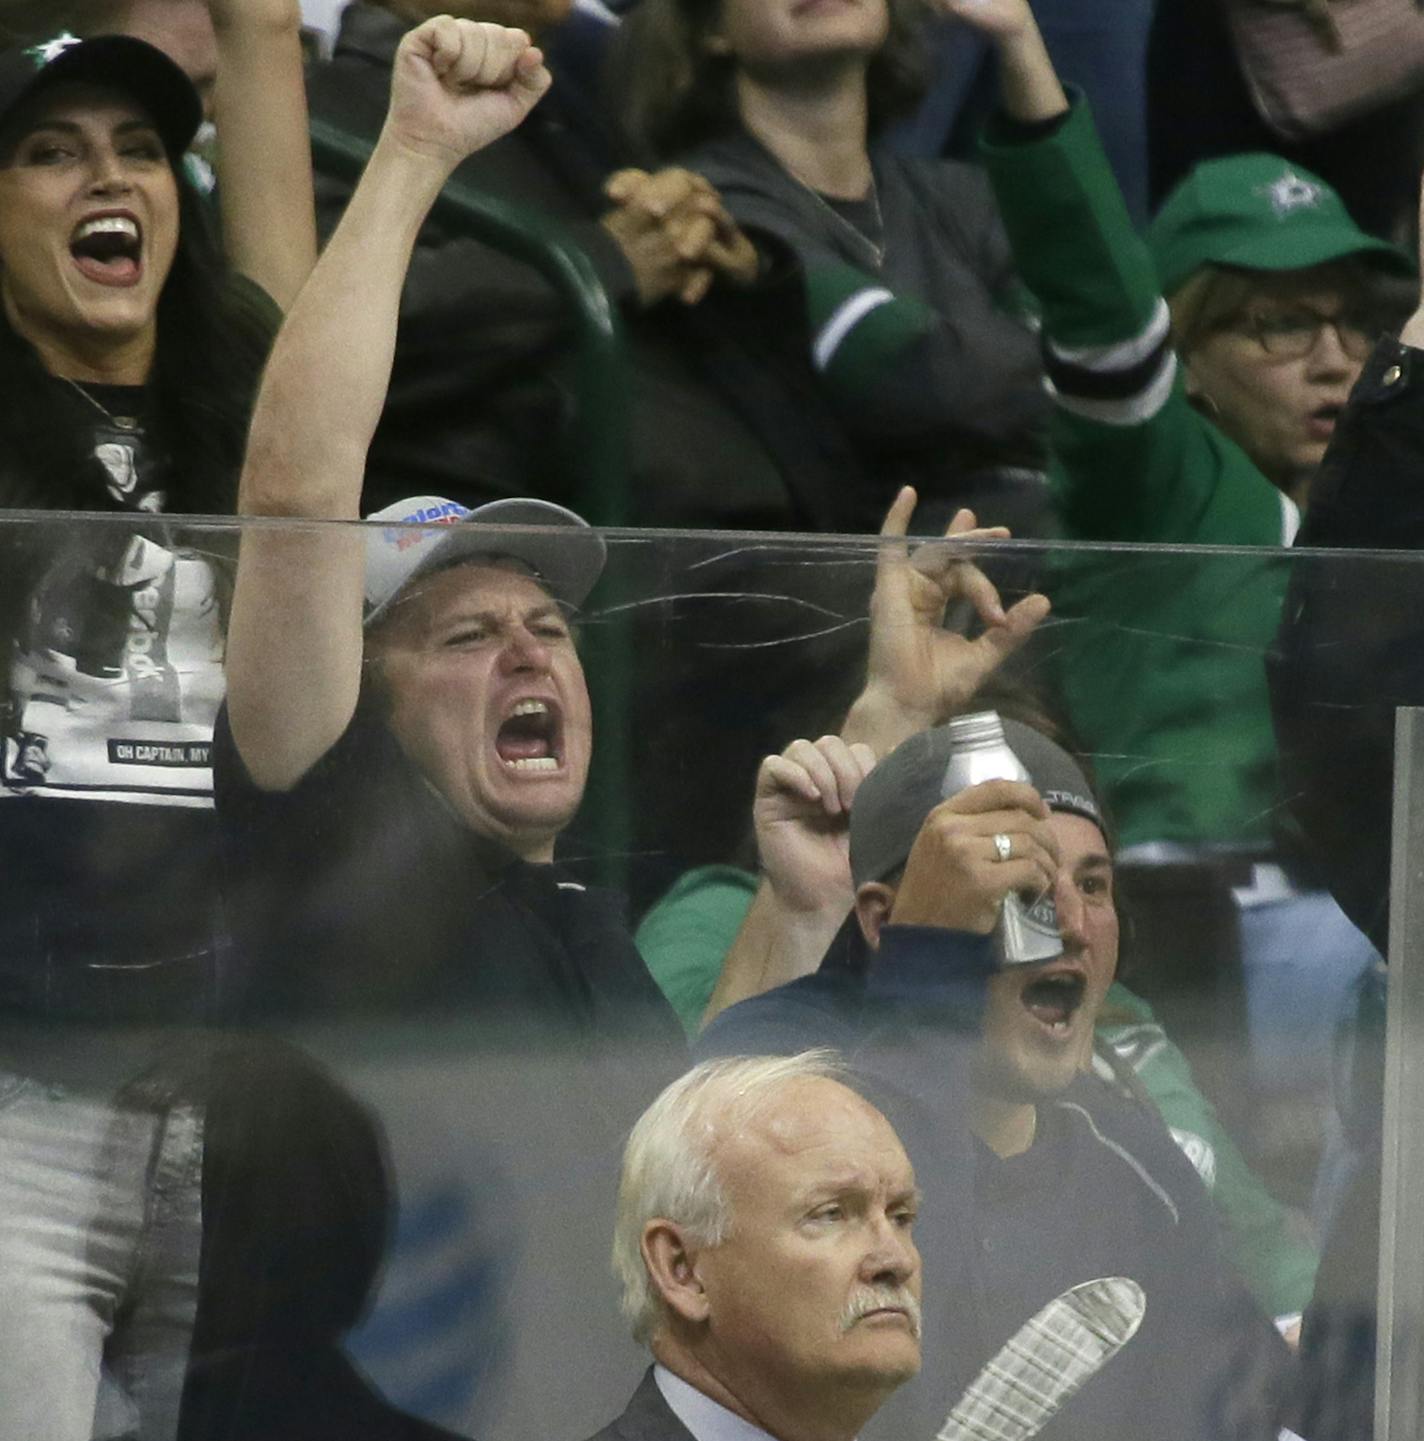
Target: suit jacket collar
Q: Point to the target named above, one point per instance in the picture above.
(648, 1417)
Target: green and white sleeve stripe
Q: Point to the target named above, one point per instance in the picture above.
(858, 325)
(1124, 383)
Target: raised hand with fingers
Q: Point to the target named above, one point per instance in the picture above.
(802, 818)
(458, 86)
(1027, 80)
(918, 673)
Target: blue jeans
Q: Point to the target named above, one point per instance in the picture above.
(1302, 963)
(100, 1234)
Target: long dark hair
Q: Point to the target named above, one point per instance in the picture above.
(212, 338)
(674, 93)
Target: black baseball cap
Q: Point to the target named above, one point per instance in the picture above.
(120, 62)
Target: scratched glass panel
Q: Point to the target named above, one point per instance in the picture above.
(324, 1022)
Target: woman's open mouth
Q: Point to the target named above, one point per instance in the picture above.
(1323, 420)
(108, 249)
(530, 738)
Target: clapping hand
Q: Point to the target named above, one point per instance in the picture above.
(458, 86)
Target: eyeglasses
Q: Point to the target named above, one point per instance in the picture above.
(1293, 334)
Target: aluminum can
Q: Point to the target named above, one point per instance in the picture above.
(1027, 931)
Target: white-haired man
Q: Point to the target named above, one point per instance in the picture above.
(764, 1245)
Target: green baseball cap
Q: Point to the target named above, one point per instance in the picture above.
(1258, 212)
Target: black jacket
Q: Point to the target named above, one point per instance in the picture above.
(358, 893)
(1351, 643)
(1350, 651)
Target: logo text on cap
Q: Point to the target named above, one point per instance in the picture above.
(1290, 193)
(50, 50)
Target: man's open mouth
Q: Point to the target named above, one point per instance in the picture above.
(109, 249)
(531, 737)
(1054, 999)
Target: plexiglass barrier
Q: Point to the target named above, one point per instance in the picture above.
(339, 960)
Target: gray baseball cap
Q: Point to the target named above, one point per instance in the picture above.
(411, 539)
(895, 799)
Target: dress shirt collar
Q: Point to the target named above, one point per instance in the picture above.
(706, 1419)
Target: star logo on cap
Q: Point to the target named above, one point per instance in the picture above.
(1291, 193)
(50, 51)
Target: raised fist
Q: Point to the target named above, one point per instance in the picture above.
(458, 86)
(802, 817)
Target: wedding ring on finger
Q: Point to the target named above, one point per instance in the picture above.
(1003, 847)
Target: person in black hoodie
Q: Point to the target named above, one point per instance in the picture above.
(298, 1206)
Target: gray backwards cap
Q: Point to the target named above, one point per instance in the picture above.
(896, 797)
(428, 533)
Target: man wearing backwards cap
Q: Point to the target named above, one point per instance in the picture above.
(1038, 1178)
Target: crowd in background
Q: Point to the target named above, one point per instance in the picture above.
(932, 273)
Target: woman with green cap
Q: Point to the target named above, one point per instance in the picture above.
(1197, 380)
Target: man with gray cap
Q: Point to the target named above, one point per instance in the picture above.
(408, 728)
(1038, 1178)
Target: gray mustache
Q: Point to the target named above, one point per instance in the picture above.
(879, 1298)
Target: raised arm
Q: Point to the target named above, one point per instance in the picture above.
(917, 672)
(917, 675)
(1030, 88)
(1132, 457)
(264, 155)
(294, 641)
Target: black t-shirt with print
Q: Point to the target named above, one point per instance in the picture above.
(112, 638)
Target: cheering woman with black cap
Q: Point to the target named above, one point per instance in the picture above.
(128, 356)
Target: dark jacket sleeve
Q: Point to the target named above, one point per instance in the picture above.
(1351, 644)
(920, 975)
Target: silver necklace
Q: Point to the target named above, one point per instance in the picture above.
(119, 422)
(875, 248)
